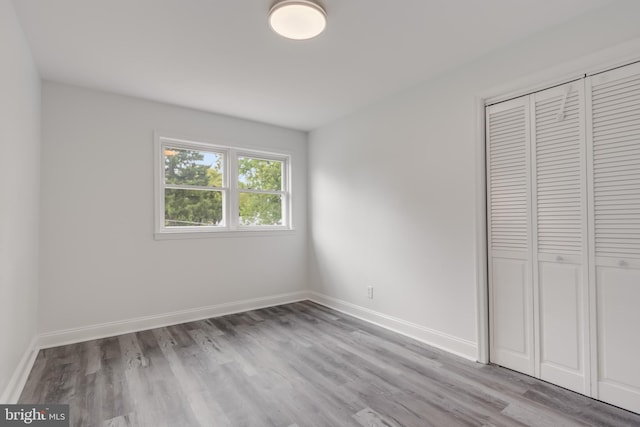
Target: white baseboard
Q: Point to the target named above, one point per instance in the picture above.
(103, 330)
(12, 391)
(441, 340)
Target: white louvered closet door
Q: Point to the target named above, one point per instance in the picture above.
(614, 179)
(509, 226)
(560, 251)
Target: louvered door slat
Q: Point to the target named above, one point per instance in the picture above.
(557, 151)
(508, 187)
(550, 111)
(616, 92)
(615, 132)
(626, 105)
(554, 140)
(559, 173)
(608, 156)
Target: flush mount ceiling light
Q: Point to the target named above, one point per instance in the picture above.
(297, 19)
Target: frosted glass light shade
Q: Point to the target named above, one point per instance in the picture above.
(297, 19)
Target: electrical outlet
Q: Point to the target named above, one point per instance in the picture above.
(370, 292)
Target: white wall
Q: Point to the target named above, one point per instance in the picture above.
(393, 187)
(100, 262)
(19, 197)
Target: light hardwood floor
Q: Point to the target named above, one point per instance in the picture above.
(299, 365)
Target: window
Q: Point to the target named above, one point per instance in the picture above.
(206, 188)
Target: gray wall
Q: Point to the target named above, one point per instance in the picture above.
(19, 195)
(100, 262)
(393, 187)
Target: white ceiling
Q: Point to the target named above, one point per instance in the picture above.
(221, 56)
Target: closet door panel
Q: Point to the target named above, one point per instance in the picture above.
(618, 344)
(562, 326)
(511, 313)
(509, 224)
(614, 178)
(560, 230)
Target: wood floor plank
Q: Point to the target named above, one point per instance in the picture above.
(131, 352)
(93, 357)
(367, 417)
(296, 365)
(121, 421)
(190, 382)
(535, 417)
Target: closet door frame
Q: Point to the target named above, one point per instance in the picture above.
(593, 295)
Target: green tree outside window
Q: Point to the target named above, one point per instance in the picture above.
(260, 175)
(193, 207)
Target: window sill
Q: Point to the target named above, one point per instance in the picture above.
(181, 235)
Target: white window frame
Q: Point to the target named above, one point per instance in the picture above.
(230, 225)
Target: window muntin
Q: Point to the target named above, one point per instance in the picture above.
(212, 188)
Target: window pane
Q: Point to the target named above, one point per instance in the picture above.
(192, 208)
(191, 167)
(260, 209)
(259, 174)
